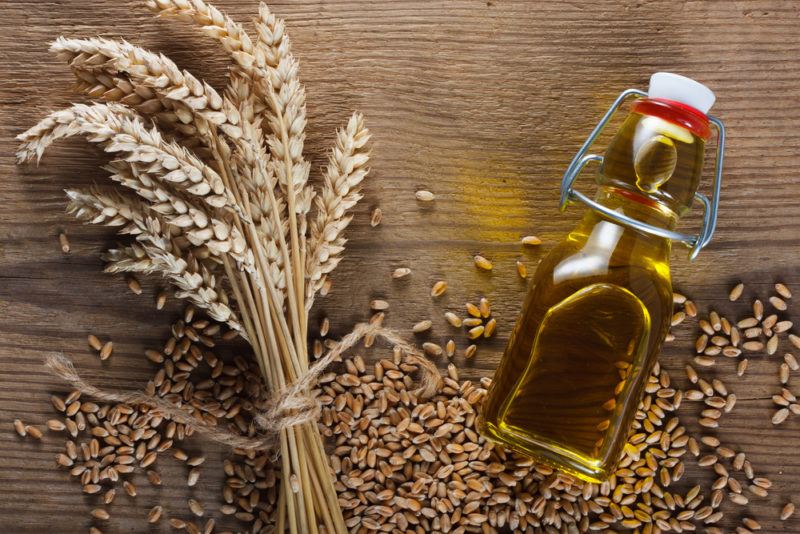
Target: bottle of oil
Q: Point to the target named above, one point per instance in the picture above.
(600, 304)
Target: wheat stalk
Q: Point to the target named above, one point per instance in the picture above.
(221, 205)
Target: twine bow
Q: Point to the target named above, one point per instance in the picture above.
(291, 406)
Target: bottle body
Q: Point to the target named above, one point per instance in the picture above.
(599, 308)
(580, 354)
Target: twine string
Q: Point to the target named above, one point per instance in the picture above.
(291, 406)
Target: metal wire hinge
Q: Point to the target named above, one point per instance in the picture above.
(710, 206)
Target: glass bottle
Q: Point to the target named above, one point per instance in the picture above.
(600, 303)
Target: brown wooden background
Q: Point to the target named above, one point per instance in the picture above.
(483, 103)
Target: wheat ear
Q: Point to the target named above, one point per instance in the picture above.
(155, 252)
(195, 105)
(121, 131)
(193, 281)
(347, 168)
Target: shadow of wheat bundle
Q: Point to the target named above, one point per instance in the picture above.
(214, 192)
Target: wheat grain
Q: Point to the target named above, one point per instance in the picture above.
(64, 242)
(376, 217)
(154, 515)
(783, 291)
(439, 288)
(736, 292)
(422, 326)
(19, 428)
(772, 345)
(196, 507)
(424, 196)
(758, 309)
(482, 263)
(401, 272)
(489, 328)
(475, 332)
(783, 373)
(161, 300)
(94, 342)
(453, 319)
(780, 416)
(778, 303)
(473, 310)
(484, 307)
(522, 270)
(99, 513)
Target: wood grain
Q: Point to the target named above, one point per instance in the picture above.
(483, 103)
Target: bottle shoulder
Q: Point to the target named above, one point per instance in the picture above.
(607, 253)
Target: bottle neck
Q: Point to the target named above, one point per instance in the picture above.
(656, 157)
(638, 207)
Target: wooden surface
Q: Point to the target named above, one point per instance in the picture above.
(483, 103)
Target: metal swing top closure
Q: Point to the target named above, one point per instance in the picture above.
(710, 206)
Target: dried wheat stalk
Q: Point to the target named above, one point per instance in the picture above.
(221, 202)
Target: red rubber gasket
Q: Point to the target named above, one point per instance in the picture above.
(676, 113)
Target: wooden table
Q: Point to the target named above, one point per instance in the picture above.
(483, 103)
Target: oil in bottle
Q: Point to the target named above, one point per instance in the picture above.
(600, 303)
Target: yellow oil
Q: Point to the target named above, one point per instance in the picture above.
(598, 310)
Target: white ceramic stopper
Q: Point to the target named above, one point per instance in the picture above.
(681, 89)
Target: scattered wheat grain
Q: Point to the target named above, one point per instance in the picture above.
(453, 319)
(401, 272)
(105, 352)
(422, 326)
(522, 270)
(439, 288)
(482, 263)
(376, 218)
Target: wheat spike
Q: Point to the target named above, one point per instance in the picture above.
(156, 250)
(340, 192)
(121, 131)
(278, 83)
(108, 87)
(212, 22)
(193, 281)
(194, 106)
(110, 208)
(248, 158)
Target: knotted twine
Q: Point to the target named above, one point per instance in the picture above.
(290, 406)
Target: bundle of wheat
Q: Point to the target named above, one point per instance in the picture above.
(223, 210)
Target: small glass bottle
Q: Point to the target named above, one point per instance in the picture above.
(600, 303)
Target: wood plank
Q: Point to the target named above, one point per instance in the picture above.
(483, 103)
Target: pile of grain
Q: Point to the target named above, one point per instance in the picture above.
(404, 463)
(106, 443)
